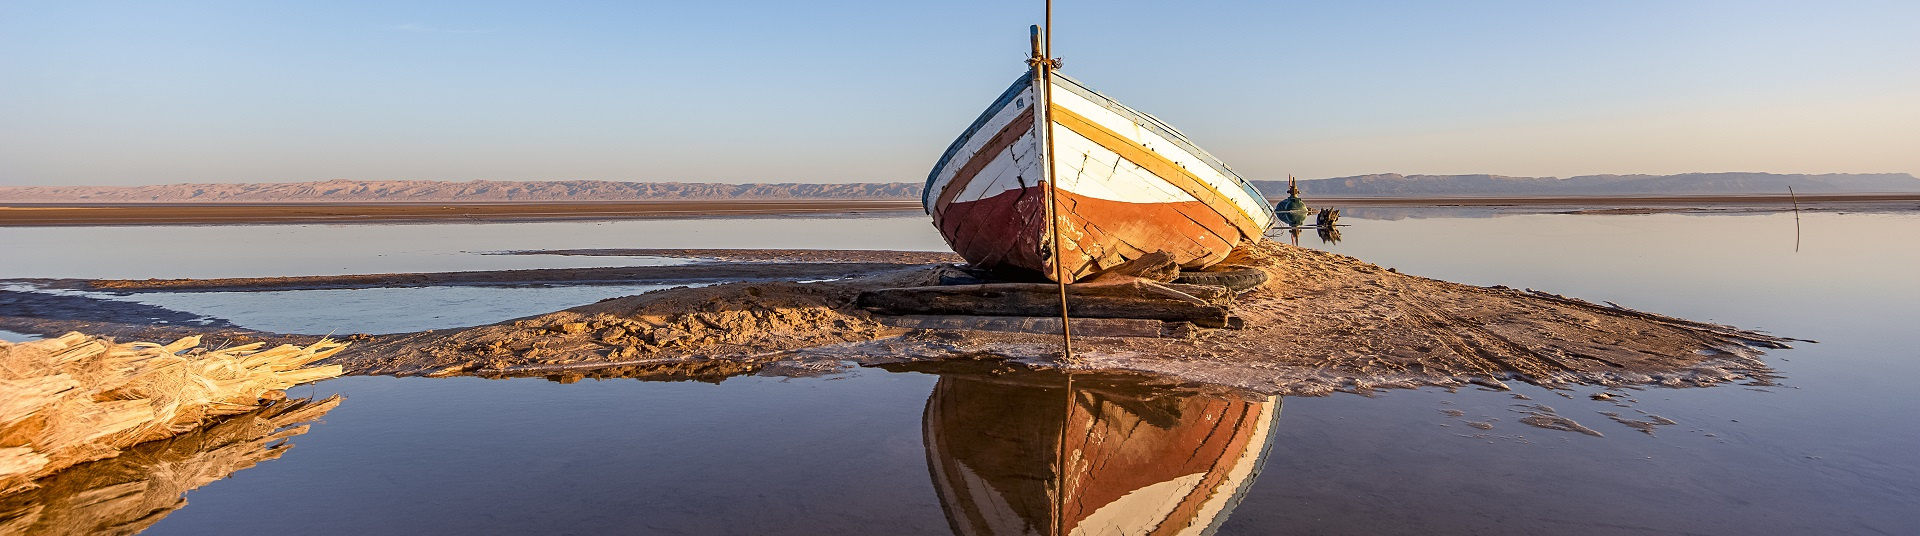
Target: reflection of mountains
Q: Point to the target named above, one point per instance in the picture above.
(1137, 461)
(127, 493)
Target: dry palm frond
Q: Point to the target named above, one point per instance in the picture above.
(77, 398)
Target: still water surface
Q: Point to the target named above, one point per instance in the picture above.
(1828, 450)
(382, 310)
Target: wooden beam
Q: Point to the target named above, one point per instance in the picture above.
(1042, 299)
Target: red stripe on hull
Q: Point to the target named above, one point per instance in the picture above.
(1008, 232)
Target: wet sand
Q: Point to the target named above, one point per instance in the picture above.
(67, 214)
(1324, 323)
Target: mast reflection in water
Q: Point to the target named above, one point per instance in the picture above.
(1137, 460)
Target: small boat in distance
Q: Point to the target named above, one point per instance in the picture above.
(1123, 184)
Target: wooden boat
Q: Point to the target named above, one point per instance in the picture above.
(1117, 184)
(1134, 462)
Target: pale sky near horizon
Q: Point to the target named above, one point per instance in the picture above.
(116, 93)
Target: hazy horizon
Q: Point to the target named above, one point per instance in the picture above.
(145, 94)
(914, 181)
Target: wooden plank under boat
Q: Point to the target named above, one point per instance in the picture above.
(1131, 462)
(1126, 183)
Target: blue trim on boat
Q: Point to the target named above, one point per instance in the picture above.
(994, 109)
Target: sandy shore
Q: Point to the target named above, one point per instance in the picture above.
(53, 214)
(1323, 323)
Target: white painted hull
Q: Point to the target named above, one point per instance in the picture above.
(1128, 185)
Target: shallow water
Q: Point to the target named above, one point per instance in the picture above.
(1825, 451)
(138, 252)
(382, 310)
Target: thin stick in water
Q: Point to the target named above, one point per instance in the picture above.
(1796, 218)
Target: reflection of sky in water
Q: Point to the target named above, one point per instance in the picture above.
(16, 337)
(527, 456)
(287, 250)
(1821, 453)
(1741, 270)
(382, 310)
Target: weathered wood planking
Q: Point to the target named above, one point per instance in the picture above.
(1045, 325)
(1038, 299)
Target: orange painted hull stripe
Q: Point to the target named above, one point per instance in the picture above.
(1159, 166)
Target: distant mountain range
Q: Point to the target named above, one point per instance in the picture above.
(1397, 185)
(347, 191)
(1385, 185)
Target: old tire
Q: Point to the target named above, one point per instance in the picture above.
(1239, 279)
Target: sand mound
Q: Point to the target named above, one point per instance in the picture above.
(1336, 321)
(1323, 322)
(733, 321)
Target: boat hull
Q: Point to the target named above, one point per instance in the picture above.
(1134, 463)
(1125, 185)
(1009, 231)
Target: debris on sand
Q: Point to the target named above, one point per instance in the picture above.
(78, 398)
(126, 494)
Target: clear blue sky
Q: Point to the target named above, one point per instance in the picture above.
(160, 92)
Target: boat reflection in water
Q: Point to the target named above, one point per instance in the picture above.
(1137, 460)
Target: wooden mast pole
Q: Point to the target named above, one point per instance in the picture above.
(1046, 65)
